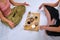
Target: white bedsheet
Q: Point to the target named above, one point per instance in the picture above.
(18, 33)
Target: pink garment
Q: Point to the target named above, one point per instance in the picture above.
(5, 8)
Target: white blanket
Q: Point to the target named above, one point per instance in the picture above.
(18, 33)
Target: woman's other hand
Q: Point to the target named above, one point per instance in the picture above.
(11, 24)
(43, 27)
(25, 4)
(41, 6)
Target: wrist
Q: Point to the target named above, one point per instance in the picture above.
(43, 3)
(20, 4)
(8, 21)
(46, 27)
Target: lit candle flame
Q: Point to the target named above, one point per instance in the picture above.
(33, 26)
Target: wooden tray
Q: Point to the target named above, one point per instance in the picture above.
(32, 21)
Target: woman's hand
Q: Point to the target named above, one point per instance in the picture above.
(11, 24)
(41, 6)
(43, 27)
(25, 4)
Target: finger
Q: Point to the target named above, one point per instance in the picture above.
(40, 7)
(24, 2)
(27, 4)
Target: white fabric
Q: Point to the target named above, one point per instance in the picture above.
(18, 33)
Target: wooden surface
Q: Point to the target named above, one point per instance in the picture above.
(35, 21)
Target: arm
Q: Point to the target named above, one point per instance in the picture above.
(2, 17)
(18, 4)
(53, 21)
(52, 4)
(49, 4)
(6, 20)
(55, 29)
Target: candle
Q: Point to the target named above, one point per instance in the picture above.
(33, 26)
